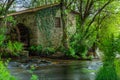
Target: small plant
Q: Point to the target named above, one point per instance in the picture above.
(4, 73)
(34, 77)
(2, 38)
(36, 49)
(14, 48)
(39, 48)
(70, 53)
(49, 50)
(9, 48)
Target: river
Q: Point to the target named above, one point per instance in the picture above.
(54, 69)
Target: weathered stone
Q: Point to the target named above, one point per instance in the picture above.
(58, 55)
(24, 53)
(37, 37)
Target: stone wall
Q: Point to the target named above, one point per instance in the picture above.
(28, 20)
(37, 37)
(55, 35)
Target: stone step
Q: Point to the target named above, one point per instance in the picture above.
(24, 53)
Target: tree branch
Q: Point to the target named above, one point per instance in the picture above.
(9, 5)
(99, 11)
(69, 4)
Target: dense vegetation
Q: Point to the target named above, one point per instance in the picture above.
(97, 26)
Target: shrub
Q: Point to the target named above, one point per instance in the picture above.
(34, 77)
(49, 50)
(4, 73)
(110, 47)
(107, 72)
(14, 47)
(36, 49)
(9, 48)
(117, 67)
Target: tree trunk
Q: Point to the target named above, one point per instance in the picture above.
(65, 41)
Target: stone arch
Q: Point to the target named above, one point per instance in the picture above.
(22, 34)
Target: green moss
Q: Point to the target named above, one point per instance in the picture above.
(46, 21)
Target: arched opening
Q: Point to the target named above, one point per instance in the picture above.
(21, 33)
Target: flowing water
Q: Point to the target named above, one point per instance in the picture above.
(50, 69)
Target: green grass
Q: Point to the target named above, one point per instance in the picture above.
(107, 72)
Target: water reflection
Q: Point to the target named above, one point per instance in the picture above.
(75, 70)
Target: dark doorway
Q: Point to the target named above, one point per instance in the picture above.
(21, 34)
(24, 35)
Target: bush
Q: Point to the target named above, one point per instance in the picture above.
(49, 50)
(110, 47)
(107, 72)
(36, 49)
(34, 77)
(4, 73)
(14, 48)
(8, 47)
(117, 67)
(11, 49)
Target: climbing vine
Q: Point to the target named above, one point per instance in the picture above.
(46, 21)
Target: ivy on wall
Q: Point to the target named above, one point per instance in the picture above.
(46, 21)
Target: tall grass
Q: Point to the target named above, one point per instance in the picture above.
(110, 46)
(117, 67)
(107, 72)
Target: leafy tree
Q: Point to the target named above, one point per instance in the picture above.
(5, 5)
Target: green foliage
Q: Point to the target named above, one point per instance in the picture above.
(107, 72)
(46, 21)
(4, 73)
(11, 20)
(11, 48)
(83, 39)
(14, 47)
(81, 45)
(49, 50)
(2, 38)
(7, 47)
(70, 53)
(109, 44)
(117, 66)
(110, 47)
(34, 77)
(37, 48)
(42, 51)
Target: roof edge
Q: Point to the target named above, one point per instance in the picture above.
(32, 9)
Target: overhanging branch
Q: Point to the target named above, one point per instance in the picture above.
(99, 11)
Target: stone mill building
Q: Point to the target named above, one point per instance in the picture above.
(41, 26)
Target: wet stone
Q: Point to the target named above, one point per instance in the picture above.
(14, 64)
(29, 63)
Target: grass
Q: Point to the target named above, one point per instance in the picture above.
(107, 72)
